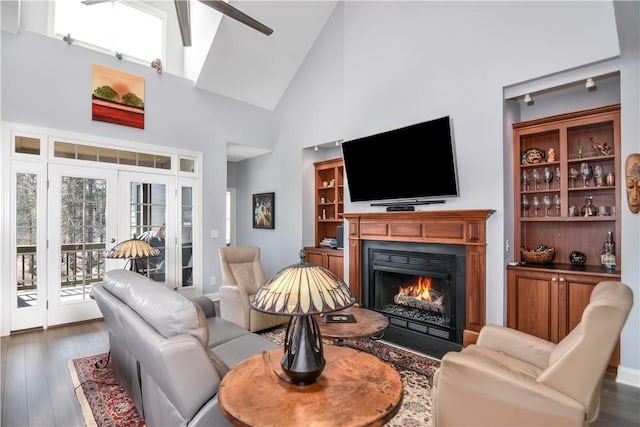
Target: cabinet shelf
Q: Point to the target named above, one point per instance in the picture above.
(540, 165)
(575, 160)
(601, 188)
(569, 219)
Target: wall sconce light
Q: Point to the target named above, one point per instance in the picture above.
(315, 148)
(590, 85)
(528, 99)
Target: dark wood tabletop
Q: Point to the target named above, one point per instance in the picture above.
(355, 389)
(368, 323)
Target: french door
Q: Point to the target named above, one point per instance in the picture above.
(88, 211)
(82, 213)
(68, 204)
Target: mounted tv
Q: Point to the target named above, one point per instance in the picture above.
(413, 162)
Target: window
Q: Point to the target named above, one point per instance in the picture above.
(68, 150)
(131, 28)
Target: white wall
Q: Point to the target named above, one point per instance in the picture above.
(46, 82)
(382, 65)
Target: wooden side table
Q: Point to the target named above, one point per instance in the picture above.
(368, 323)
(355, 389)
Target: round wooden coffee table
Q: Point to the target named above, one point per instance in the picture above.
(368, 324)
(354, 389)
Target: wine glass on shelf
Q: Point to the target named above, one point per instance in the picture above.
(525, 205)
(536, 178)
(598, 175)
(546, 200)
(556, 203)
(587, 173)
(573, 176)
(526, 179)
(556, 175)
(547, 174)
(536, 205)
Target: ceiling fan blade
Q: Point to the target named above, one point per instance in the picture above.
(232, 12)
(184, 20)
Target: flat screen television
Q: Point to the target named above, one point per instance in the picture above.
(413, 162)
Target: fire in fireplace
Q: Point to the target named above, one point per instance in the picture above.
(420, 288)
(419, 301)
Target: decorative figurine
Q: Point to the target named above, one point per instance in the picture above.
(579, 148)
(632, 170)
(600, 149)
(551, 155)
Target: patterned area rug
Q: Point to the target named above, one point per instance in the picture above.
(105, 403)
(416, 371)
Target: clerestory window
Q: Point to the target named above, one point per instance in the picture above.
(133, 29)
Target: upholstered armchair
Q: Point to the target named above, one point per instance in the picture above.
(242, 275)
(510, 378)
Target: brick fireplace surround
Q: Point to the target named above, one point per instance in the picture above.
(456, 227)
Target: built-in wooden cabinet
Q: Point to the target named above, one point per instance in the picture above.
(329, 210)
(548, 300)
(332, 259)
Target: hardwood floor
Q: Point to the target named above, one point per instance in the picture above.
(37, 390)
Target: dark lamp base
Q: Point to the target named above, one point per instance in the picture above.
(303, 359)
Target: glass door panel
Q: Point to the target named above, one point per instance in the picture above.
(187, 237)
(28, 294)
(146, 215)
(79, 209)
(82, 234)
(27, 239)
(148, 209)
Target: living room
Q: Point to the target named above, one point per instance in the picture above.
(375, 66)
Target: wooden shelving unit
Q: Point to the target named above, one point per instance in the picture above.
(329, 210)
(548, 300)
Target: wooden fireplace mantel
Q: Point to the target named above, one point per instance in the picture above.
(455, 227)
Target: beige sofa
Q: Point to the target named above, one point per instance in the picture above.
(510, 378)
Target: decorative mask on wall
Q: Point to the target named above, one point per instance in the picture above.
(632, 170)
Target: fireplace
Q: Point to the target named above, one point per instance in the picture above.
(421, 290)
(461, 233)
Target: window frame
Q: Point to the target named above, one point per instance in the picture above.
(144, 7)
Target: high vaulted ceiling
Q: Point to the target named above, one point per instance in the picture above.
(246, 65)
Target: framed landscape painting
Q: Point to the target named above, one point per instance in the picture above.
(117, 97)
(264, 213)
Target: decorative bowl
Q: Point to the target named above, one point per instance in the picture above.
(577, 258)
(544, 256)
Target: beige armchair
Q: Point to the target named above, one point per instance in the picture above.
(242, 275)
(510, 378)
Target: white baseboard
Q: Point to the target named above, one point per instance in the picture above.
(628, 376)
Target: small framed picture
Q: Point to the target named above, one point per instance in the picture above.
(264, 212)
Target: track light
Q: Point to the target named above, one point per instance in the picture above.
(590, 85)
(528, 99)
